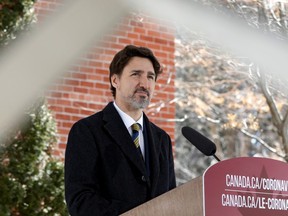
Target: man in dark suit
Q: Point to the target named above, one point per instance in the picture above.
(110, 167)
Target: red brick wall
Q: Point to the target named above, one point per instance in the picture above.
(85, 89)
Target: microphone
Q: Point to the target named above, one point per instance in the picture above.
(202, 143)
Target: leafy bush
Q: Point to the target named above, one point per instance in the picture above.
(31, 179)
(15, 16)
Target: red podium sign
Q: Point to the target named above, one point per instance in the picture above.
(246, 186)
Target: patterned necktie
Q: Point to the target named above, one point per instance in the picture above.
(135, 137)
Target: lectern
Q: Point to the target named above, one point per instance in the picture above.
(182, 200)
(240, 186)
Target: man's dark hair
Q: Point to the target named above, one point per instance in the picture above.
(122, 58)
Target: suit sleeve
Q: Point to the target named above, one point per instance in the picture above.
(82, 192)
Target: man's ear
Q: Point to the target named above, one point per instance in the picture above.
(114, 80)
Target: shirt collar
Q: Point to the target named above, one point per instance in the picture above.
(128, 120)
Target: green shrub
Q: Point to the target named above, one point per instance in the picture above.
(15, 16)
(31, 179)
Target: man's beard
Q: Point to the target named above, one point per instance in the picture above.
(140, 102)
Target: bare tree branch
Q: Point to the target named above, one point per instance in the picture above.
(271, 103)
(280, 122)
(263, 143)
(285, 134)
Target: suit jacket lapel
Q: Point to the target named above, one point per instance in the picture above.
(154, 151)
(117, 130)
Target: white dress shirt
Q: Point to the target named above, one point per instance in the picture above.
(129, 121)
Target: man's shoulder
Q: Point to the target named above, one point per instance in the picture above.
(155, 128)
(97, 117)
(92, 118)
(89, 121)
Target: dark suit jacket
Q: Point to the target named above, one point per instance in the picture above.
(104, 174)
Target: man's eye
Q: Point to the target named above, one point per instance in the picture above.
(151, 77)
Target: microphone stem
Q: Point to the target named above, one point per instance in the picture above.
(216, 157)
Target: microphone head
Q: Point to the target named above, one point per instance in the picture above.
(203, 144)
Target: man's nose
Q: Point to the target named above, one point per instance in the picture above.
(144, 82)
